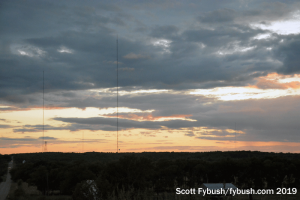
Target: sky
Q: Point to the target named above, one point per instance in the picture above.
(193, 76)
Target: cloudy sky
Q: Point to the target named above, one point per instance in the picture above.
(193, 75)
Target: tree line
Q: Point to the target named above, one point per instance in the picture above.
(154, 173)
(4, 159)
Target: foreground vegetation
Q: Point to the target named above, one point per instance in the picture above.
(4, 160)
(152, 175)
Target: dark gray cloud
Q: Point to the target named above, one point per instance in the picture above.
(260, 120)
(5, 126)
(168, 31)
(7, 142)
(288, 53)
(190, 134)
(38, 128)
(48, 138)
(28, 139)
(263, 12)
(110, 123)
(218, 16)
(32, 41)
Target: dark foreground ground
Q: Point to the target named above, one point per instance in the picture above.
(5, 185)
(150, 175)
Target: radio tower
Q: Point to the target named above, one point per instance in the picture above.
(43, 115)
(235, 135)
(117, 98)
(82, 142)
(45, 148)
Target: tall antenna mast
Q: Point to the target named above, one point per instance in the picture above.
(117, 97)
(45, 148)
(235, 135)
(43, 114)
(82, 142)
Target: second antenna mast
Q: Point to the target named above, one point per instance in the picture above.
(117, 97)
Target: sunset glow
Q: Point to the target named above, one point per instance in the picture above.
(191, 76)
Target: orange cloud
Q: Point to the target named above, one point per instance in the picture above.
(271, 81)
